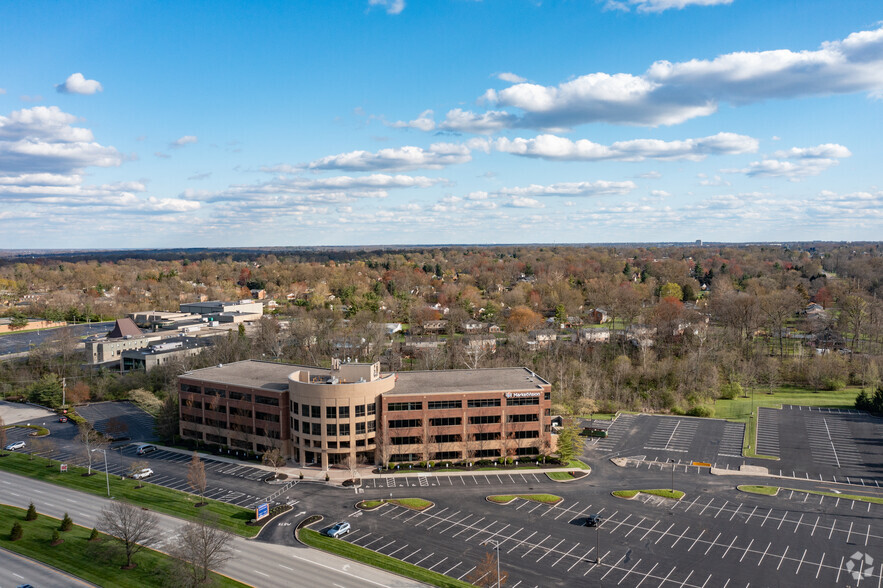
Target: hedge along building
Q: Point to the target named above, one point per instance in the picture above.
(323, 416)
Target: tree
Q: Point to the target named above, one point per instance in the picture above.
(19, 321)
(90, 440)
(202, 547)
(44, 446)
(93, 536)
(352, 464)
(485, 573)
(671, 290)
(130, 525)
(196, 477)
(522, 318)
(67, 523)
(777, 307)
(274, 459)
(116, 427)
(77, 393)
(167, 420)
(56, 538)
(135, 467)
(383, 453)
(16, 532)
(31, 515)
(570, 443)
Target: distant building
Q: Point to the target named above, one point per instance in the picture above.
(161, 352)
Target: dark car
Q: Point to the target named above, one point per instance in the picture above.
(62, 419)
(593, 520)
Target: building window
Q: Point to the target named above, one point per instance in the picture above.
(404, 457)
(344, 444)
(191, 419)
(344, 430)
(264, 416)
(487, 453)
(240, 412)
(446, 455)
(331, 430)
(294, 408)
(305, 410)
(360, 442)
(547, 396)
(372, 409)
(215, 392)
(372, 426)
(315, 429)
(444, 404)
(315, 412)
(446, 422)
(268, 400)
(446, 439)
(240, 396)
(405, 423)
(396, 406)
(191, 389)
(215, 439)
(330, 412)
(216, 424)
(343, 412)
(523, 418)
(527, 434)
(486, 436)
(535, 401)
(332, 445)
(484, 402)
(295, 425)
(360, 428)
(484, 420)
(527, 451)
(360, 410)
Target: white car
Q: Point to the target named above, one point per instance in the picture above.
(144, 473)
(15, 445)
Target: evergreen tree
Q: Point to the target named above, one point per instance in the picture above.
(16, 532)
(67, 523)
(32, 513)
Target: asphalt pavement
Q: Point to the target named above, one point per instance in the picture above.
(16, 570)
(22, 342)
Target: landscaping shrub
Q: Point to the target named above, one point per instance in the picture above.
(16, 532)
(32, 513)
(66, 523)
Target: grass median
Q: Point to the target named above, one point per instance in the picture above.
(412, 503)
(673, 494)
(544, 498)
(774, 490)
(378, 560)
(93, 561)
(157, 498)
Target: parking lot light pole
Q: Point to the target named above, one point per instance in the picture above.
(106, 473)
(598, 544)
(496, 545)
(672, 462)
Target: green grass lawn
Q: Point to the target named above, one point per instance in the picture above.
(560, 476)
(544, 498)
(773, 490)
(412, 503)
(739, 408)
(676, 494)
(165, 500)
(378, 560)
(369, 504)
(84, 559)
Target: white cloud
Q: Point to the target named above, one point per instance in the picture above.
(424, 122)
(797, 162)
(185, 140)
(598, 188)
(552, 147)
(523, 202)
(391, 6)
(661, 5)
(671, 93)
(825, 151)
(510, 77)
(396, 159)
(78, 84)
(650, 175)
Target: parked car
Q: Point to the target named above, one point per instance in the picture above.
(15, 445)
(62, 419)
(144, 473)
(142, 449)
(593, 520)
(338, 530)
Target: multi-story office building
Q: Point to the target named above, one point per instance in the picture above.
(324, 416)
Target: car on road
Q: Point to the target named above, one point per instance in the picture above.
(593, 520)
(338, 530)
(142, 449)
(15, 445)
(62, 419)
(143, 473)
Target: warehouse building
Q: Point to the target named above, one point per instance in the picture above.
(324, 416)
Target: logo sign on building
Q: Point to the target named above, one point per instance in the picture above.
(522, 394)
(263, 510)
(63, 467)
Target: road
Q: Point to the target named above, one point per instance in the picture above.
(22, 342)
(257, 563)
(16, 570)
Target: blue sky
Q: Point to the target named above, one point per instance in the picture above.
(200, 124)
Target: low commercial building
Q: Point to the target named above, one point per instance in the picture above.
(162, 353)
(325, 416)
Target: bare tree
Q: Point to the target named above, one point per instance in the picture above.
(485, 573)
(90, 440)
(116, 428)
(352, 464)
(135, 467)
(196, 477)
(384, 447)
(202, 547)
(43, 446)
(273, 458)
(2, 436)
(133, 526)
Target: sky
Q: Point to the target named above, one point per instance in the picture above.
(369, 122)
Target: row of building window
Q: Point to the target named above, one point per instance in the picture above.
(449, 455)
(333, 412)
(413, 440)
(458, 404)
(456, 421)
(334, 444)
(234, 395)
(332, 429)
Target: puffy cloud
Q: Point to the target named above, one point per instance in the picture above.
(424, 122)
(396, 159)
(78, 84)
(671, 93)
(552, 147)
(661, 5)
(825, 151)
(598, 188)
(510, 77)
(523, 202)
(391, 6)
(185, 140)
(797, 162)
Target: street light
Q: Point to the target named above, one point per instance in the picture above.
(672, 462)
(106, 474)
(496, 545)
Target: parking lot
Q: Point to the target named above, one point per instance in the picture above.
(481, 479)
(845, 446)
(138, 424)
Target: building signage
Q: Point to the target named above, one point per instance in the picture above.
(261, 511)
(64, 467)
(522, 394)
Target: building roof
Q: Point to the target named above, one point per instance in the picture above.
(124, 327)
(252, 373)
(170, 345)
(463, 381)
